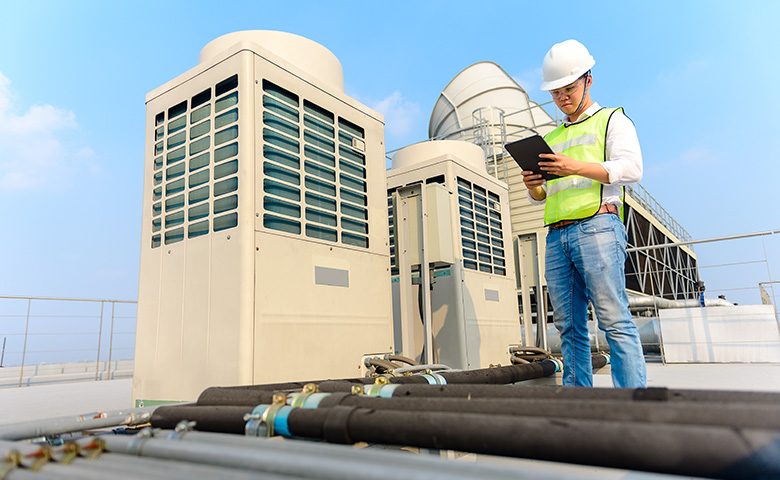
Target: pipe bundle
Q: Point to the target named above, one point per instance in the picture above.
(716, 434)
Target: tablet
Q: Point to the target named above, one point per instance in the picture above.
(526, 154)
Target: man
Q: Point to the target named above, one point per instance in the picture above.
(596, 153)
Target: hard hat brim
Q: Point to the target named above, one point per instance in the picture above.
(563, 81)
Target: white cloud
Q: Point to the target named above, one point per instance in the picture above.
(36, 145)
(401, 115)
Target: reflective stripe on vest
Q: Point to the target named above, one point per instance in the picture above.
(575, 197)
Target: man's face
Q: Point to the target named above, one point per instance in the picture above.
(568, 98)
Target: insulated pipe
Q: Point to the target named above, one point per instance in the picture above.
(708, 451)
(57, 426)
(576, 393)
(236, 396)
(493, 375)
(259, 394)
(736, 415)
(223, 418)
(741, 415)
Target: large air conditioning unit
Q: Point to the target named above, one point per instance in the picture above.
(264, 252)
(441, 195)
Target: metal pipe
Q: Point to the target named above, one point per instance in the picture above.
(378, 362)
(100, 338)
(60, 425)
(169, 469)
(357, 456)
(110, 343)
(400, 358)
(649, 333)
(286, 462)
(86, 471)
(706, 240)
(425, 279)
(23, 454)
(637, 301)
(372, 457)
(62, 299)
(417, 368)
(24, 474)
(24, 345)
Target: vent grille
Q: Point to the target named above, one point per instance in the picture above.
(314, 170)
(394, 267)
(481, 231)
(195, 172)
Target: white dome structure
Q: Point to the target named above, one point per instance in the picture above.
(484, 93)
(305, 54)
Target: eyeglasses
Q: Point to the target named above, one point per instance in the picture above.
(568, 90)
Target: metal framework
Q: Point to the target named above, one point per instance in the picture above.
(670, 273)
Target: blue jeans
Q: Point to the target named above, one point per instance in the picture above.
(586, 261)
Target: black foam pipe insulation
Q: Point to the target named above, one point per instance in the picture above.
(257, 394)
(737, 415)
(709, 451)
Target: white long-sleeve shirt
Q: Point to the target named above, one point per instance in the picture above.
(624, 156)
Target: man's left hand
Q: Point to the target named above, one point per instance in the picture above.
(560, 165)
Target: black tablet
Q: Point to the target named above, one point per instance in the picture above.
(526, 154)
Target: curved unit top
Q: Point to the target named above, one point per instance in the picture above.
(422, 153)
(308, 55)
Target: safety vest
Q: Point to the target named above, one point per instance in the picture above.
(575, 197)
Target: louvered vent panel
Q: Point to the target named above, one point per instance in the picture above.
(195, 171)
(314, 171)
(481, 230)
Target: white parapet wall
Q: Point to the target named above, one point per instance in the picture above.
(739, 334)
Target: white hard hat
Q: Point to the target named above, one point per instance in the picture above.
(564, 63)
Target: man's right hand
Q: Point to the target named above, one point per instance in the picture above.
(533, 182)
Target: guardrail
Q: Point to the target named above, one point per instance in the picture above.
(82, 338)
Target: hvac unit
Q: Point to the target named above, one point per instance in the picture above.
(264, 255)
(441, 196)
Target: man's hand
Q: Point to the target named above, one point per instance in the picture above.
(533, 182)
(560, 165)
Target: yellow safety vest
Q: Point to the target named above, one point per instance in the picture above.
(575, 197)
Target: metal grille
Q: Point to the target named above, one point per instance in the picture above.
(481, 230)
(314, 171)
(391, 222)
(195, 171)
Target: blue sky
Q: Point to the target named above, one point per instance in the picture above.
(700, 80)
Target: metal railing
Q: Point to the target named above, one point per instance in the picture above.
(40, 331)
(641, 195)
